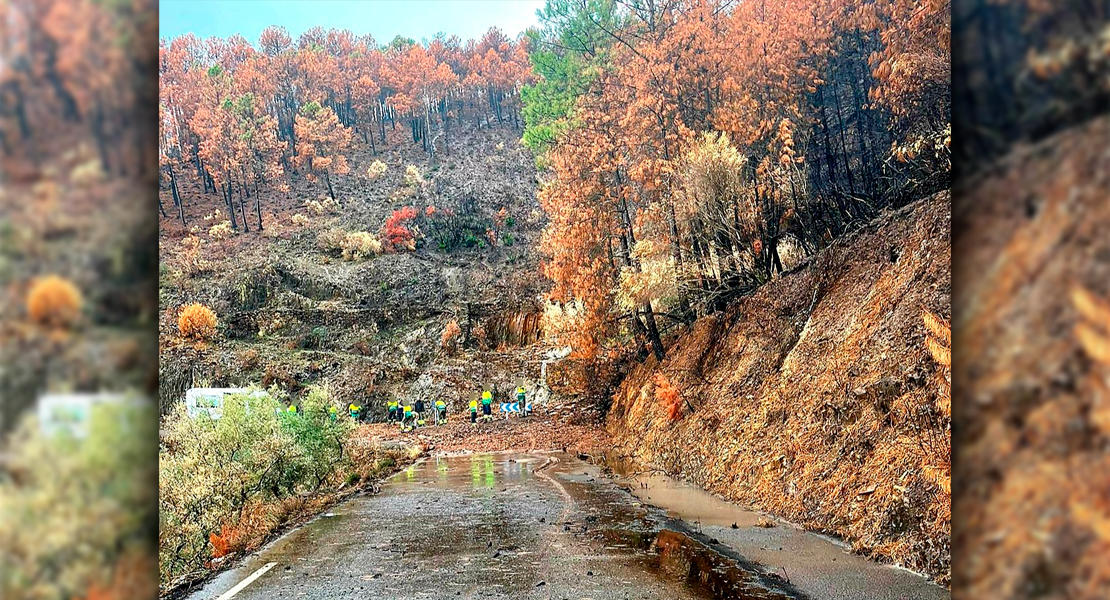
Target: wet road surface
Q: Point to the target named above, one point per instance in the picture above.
(511, 526)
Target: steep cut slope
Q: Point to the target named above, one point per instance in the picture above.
(1033, 420)
(815, 398)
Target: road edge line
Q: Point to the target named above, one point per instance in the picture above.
(228, 595)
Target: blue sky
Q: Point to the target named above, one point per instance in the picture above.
(384, 19)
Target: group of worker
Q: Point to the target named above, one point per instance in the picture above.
(487, 405)
(411, 416)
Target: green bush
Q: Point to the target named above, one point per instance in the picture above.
(75, 508)
(210, 470)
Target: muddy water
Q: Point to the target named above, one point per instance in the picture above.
(500, 526)
(816, 565)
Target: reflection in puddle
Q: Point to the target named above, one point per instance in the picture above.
(676, 556)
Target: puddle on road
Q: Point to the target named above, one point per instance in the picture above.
(676, 556)
(659, 545)
(602, 515)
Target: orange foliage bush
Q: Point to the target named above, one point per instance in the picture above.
(54, 301)
(197, 321)
(450, 336)
(396, 234)
(132, 578)
(221, 543)
(667, 395)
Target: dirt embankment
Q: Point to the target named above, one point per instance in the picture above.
(1032, 413)
(815, 399)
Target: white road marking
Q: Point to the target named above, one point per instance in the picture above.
(228, 595)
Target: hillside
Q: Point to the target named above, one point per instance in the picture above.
(296, 313)
(1033, 238)
(815, 398)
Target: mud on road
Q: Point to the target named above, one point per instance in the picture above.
(531, 525)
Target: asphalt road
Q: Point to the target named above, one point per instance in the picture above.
(510, 526)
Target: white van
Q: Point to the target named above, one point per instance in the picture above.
(211, 400)
(70, 412)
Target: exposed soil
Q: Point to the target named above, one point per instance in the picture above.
(1032, 475)
(815, 398)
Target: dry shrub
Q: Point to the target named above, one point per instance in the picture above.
(299, 219)
(249, 359)
(255, 523)
(131, 578)
(189, 256)
(478, 335)
(220, 231)
(330, 241)
(413, 178)
(280, 376)
(87, 173)
(221, 542)
(322, 207)
(55, 302)
(197, 322)
(1094, 332)
(939, 344)
(449, 340)
(375, 170)
(668, 397)
(358, 245)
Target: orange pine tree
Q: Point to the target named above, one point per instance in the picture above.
(323, 143)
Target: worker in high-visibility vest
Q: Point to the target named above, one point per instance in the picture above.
(354, 410)
(520, 399)
(292, 409)
(473, 411)
(409, 418)
(391, 408)
(441, 412)
(333, 412)
(487, 405)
